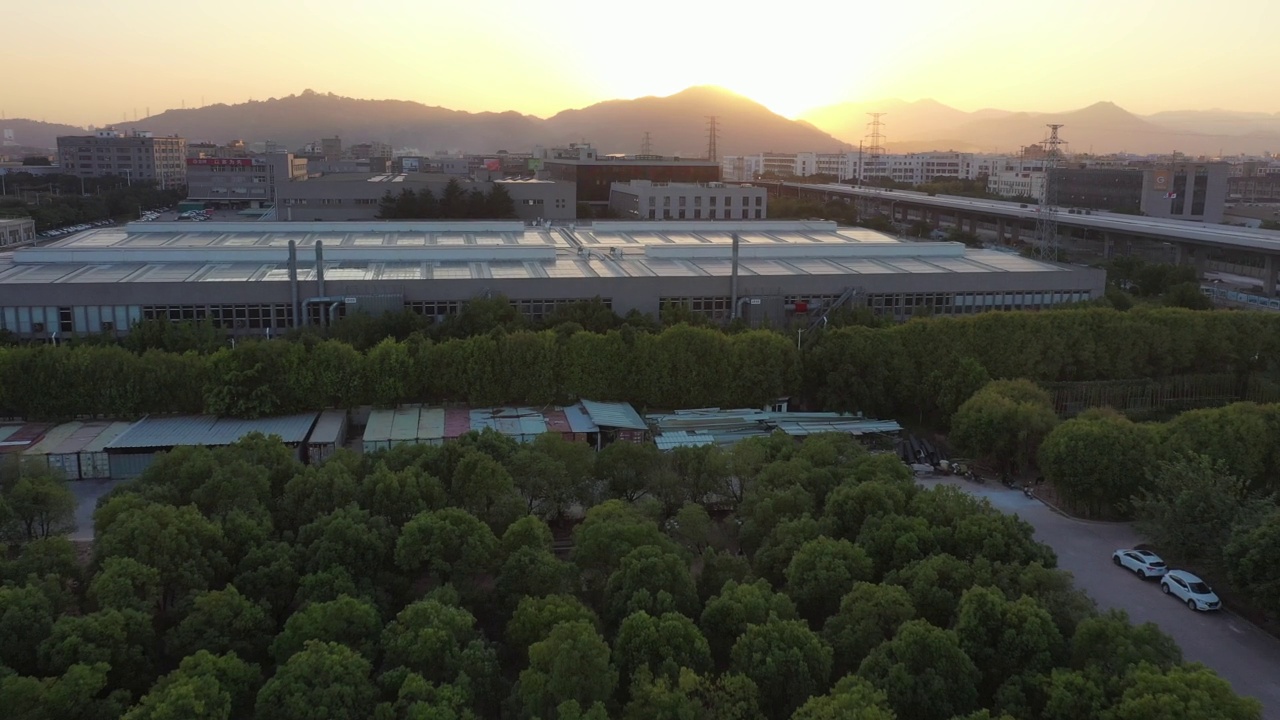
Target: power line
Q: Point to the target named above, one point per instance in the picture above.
(1046, 242)
(876, 147)
(713, 132)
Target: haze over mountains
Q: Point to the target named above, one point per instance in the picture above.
(677, 124)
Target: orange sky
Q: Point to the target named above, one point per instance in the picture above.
(540, 57)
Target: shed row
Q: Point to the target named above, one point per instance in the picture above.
(79, 449)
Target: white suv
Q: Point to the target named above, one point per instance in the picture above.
(1144, 563)
(1190, 589)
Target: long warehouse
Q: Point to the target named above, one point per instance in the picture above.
(255, 278)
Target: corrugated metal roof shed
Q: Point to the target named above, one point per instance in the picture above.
(330, 428)
(523, 424)
(7, 430)
(431, 425)
(556, 421)
(378, 429)
(54, 438)
(613, 415)
(23, 437)
(682, 438)
(851, 427)
(404, 424)
(109, 433)
(579, 420)
(457, 422)
(80, 439)
(166, 432)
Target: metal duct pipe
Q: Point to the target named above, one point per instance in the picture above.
(333, 312)
(320, 268)
(733, 282)
(293, 282)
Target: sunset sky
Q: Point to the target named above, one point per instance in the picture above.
(86, 61)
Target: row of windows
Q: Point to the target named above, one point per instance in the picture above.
(713, 307)
(78, 319)
(697, 201)
(966, 303)
(225, 316)
(438, 308)
(539, 309)
(711, 214)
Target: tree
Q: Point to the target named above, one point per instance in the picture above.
(268, 574)
(718, 568)
(650, 579)
(738, 606)
(851, 699)
(869, 615)
(553, 474)
(26, 618)
(1006, 639)
(531, 572)
(723, 697)
(238, 679)
(188, 698)
(398, 496)
(691, 527)
(571, 664)
(429, 637)
(535, 617)
(319, 490)
(38, 501)
(609, 532)
(822, 571)
(1005, 421)
(36, 160)
(924, 672)
(348, 538)
(786, 660)
(121, 638)
(1185, 692)
(1070, 694)
(1252, 557)
(180, 543)
(1097, 462)
(894, 541)
(482, 486)
(627, 470)
(663, 645)
(936, 583)
(347, 621)
(1191, 506)
(1107, 645)
(449, 543)
(325, 676)
(527, 532)
(851, 503)
(83, 692)
(772, 557)
(222, 621)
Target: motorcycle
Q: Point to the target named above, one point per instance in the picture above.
(1028, 491)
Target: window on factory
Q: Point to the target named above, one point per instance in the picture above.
(713, 201)
(744, 213)
(434, 308)
(757, 214)
(683, 201)
(759, 201)
(713, 213)
(715, 308)
(652, 201)
(666, 201)
(653, 214)
(697, 214)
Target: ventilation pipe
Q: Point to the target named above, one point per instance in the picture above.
(733, 282)
(319, 268)
(293, 282)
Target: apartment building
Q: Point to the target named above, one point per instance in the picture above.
(646, 200)
(910, 168)
(137, 155)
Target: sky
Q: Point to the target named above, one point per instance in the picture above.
(92, 62)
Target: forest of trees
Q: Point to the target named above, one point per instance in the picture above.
(454, 203)
(60, 202)
(423, 583)
(920, 371)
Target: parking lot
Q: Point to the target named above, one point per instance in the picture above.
(1241, 653)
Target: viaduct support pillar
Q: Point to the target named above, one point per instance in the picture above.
(1108, 246)
(1270, 266)
(1015, 230)
(1000, 231)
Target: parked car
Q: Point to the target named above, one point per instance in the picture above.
(1144, 563)
(1190, 589)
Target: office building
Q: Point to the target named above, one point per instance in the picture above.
(17, 230)
(137, 155)
(647, 200)
(1099, 188)
(238, 275)
(593, 175)
(243, 182)
(1186, 191)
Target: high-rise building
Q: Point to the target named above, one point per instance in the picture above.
(138, 155)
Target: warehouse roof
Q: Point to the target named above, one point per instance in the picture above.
(330, 428)
(614, 415)
(167, 432)
(257, 252)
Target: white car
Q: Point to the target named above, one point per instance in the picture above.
(1190, 589)
(1142, 562)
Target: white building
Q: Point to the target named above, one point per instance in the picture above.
(910, 168)
(1017, 177)
(646, 200)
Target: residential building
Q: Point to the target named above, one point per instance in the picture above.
(647, 200)
(137, 155)
(593, 175)
(1186, 191)
(237, 275)
(331, 148)
(17, 230)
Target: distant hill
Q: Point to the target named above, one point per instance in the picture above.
(1102, 127)
(36, 134)
(676, 123)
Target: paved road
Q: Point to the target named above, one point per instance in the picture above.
(1242, 654)
(87, 493)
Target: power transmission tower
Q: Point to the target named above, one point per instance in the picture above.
(646, 147)
(875, 148)
(1046, 242)
(713, 132)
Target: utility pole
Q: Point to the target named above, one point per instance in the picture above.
(646, 147)
(713, 132)
(876, 150)
(1046, 242)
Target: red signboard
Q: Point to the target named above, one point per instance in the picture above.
(220, 161)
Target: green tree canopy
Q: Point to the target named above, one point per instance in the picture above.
(571, 664)
(663, 645)
(924, 671)
(786, 660)
(869, 614)
(323, 675)
(821, 572)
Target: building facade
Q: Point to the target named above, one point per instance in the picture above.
(238, 275)
(646, 200)
(910, 168)
(136, 156)
(355, 196)
(1254, 188)
(17, 231)
(248, 182)
(1186, 191)
(1018, 177)
(593, 175)
(1113, 189)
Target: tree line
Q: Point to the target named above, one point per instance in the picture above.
(920, 371)
(422, 582)
(57, 201)
(454, 203)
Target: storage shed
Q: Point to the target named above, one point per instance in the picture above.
(329, 434)
(19, 437)
(457, 422)
(572, 423)
(94, 463)
(63, 446)
(406, 425)
(519, 424)
(51, 440)
(136, 448)
(616, 420)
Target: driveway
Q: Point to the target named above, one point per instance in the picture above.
(87, 493)
(1242, 654)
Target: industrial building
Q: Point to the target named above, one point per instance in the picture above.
(239, 276)
(17, 231)
(593, 175)
(713, 426)
(1186, 191)
(241, 182)
(338, 197)
(133, 451)
(138, 155)
(592, 422)
(647, 200)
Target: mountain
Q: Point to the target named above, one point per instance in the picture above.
(36, 134)
(677, 124)
(1101, 128)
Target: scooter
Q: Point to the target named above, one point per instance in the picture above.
(1028, 491)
